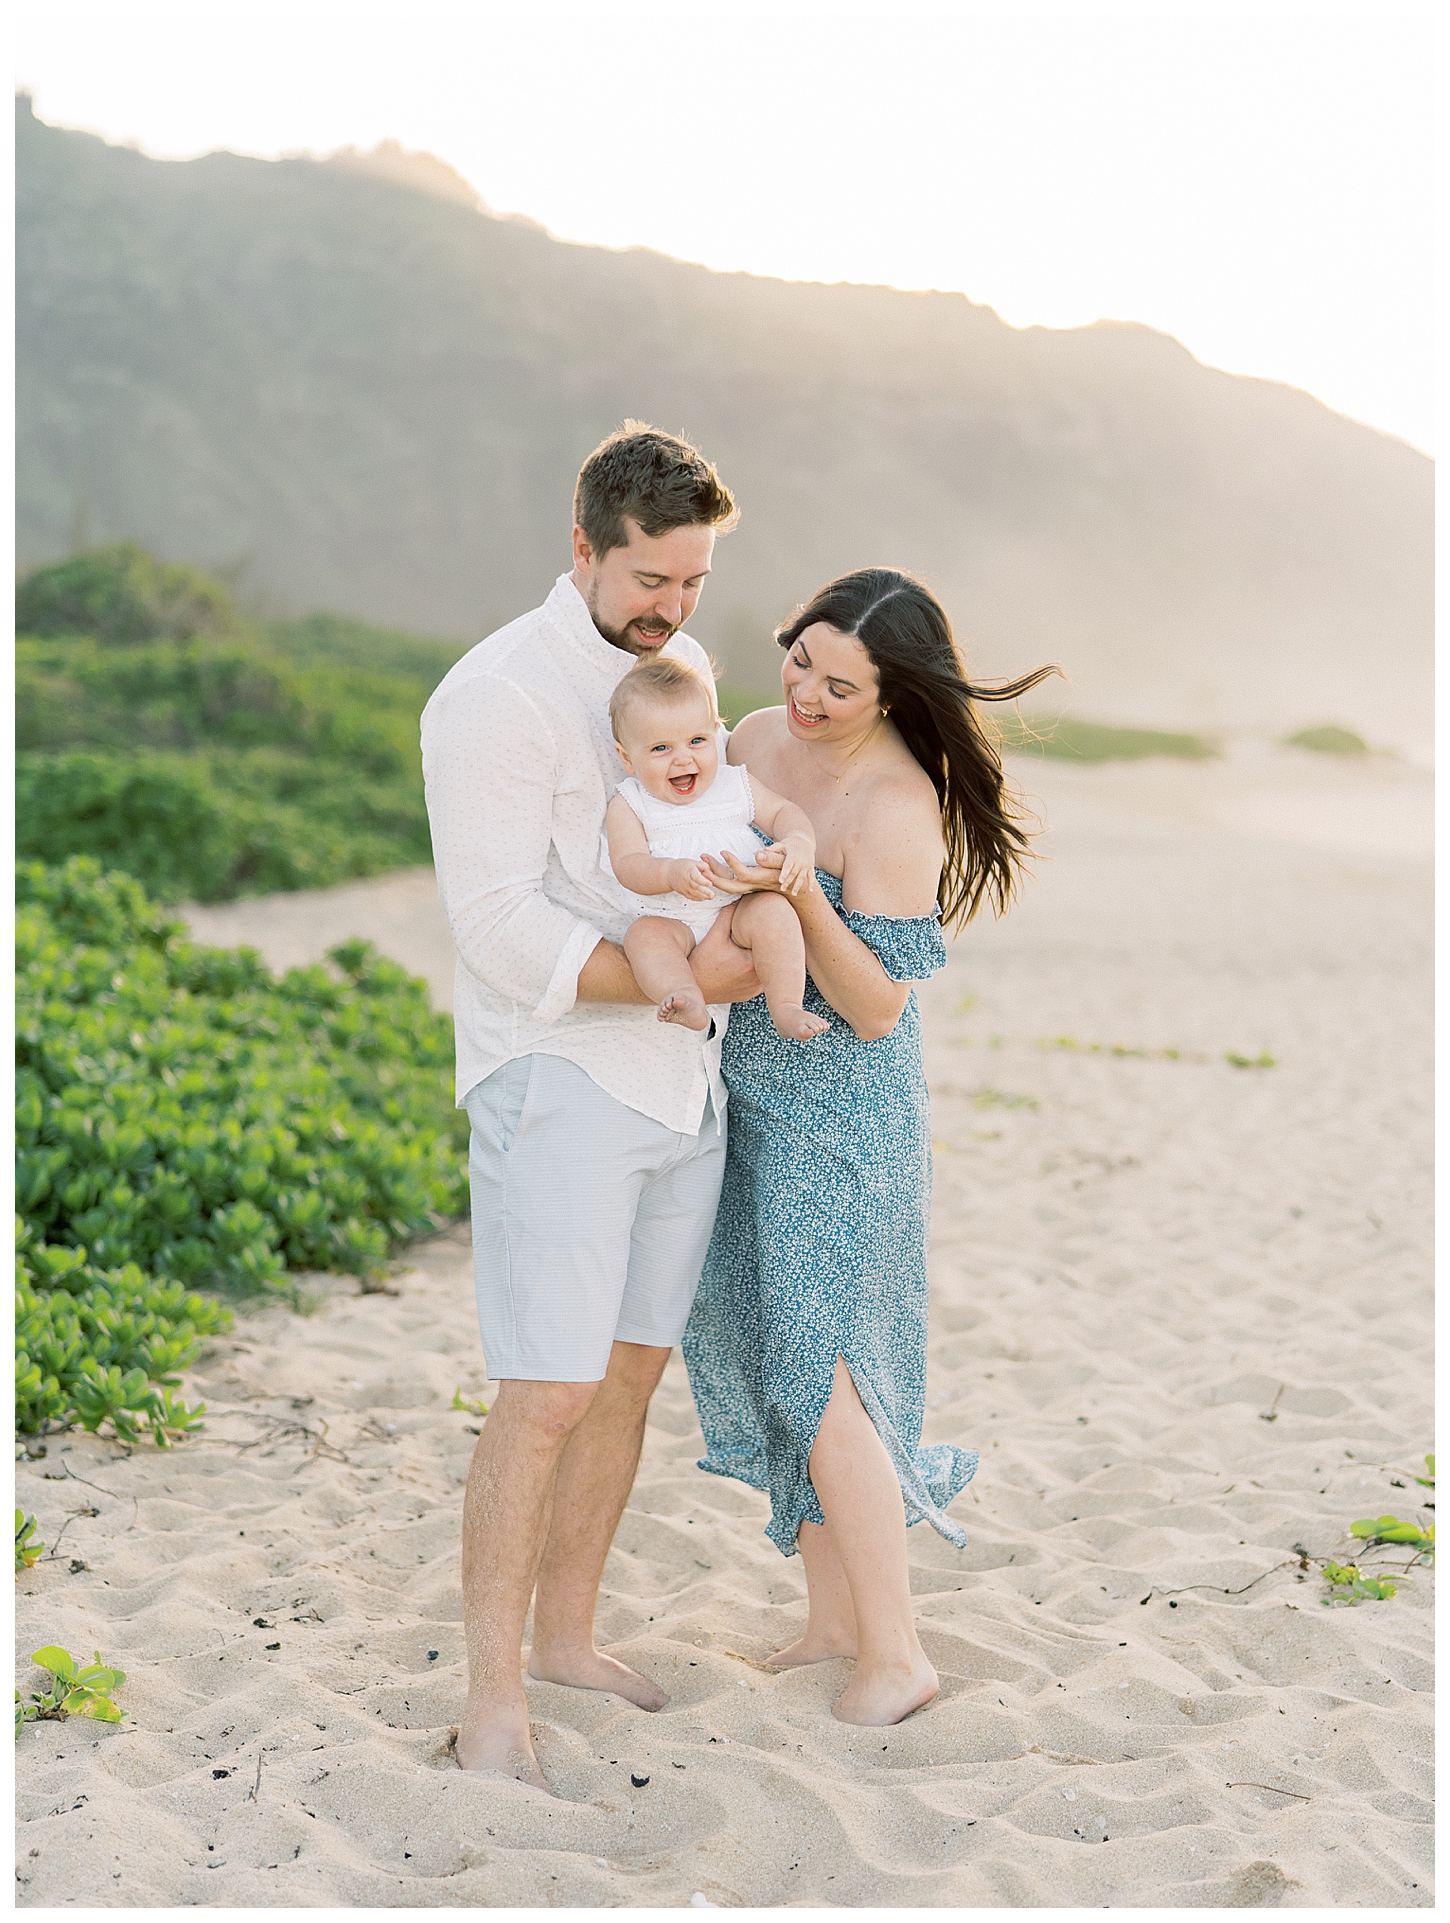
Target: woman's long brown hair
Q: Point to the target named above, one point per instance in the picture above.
(924, 686)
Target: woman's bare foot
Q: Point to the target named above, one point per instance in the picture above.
(813, 1649)
(590, 1670)
(686, 1009)
(495, 1736)
(885, 1694)
(794, 1023)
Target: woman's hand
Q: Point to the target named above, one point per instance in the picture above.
(741, 879)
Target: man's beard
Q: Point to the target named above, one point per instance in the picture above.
(624, 638)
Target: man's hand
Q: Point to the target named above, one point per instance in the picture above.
(690, 879)
(724, 972)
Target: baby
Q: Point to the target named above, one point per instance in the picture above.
(680, 804)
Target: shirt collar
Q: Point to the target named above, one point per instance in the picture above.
(568, 614)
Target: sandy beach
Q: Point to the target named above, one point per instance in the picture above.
(1174, 1297)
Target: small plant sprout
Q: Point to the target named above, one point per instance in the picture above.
(1389, 1529)
(1262, 1060)
(995, 1098)
(28, 1546)
(467, 1405)
(1349, 1585)
(1428, 1482)
(72, 1692)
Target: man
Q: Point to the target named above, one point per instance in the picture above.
(597, 1132)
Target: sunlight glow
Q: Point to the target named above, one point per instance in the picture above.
(1258, 185)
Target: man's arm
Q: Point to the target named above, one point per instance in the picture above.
(489, 766)
(723, 971)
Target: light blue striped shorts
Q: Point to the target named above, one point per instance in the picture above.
(590, 1221)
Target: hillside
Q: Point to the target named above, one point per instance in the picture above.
(362, 395)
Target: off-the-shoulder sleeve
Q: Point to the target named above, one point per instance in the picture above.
(908, 947)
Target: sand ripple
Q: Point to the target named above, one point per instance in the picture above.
(1175, 1299)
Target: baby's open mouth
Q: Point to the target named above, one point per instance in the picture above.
(684, 785)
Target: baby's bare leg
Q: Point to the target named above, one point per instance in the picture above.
(768, 926)
(659, 952)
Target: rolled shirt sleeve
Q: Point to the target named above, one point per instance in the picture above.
(491, 842)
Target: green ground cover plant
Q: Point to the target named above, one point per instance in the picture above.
(74, 1690)
(157, 732)
(28, 1546)
(1061, 737)
(1348, 1585)
(1328, 740)
(1349, 1582)
(1065, 738)
(190, 1127)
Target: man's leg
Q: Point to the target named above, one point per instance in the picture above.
(596, 1474)
(505, 1522)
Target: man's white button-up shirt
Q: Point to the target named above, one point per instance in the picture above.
(519, 765)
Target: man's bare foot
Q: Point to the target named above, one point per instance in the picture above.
(794, 1023)
(588, 1669)
(879, 1696)
(813, 1649)
(495, 1736)
(686, 1009)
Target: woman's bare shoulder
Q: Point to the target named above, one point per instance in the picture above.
(902, 795)
(758, 733)
(894, 856)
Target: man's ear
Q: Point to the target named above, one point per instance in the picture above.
(583, 550)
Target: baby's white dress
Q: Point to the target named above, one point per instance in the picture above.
(719, 819)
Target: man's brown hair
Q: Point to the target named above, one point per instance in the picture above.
(659, 678)
(659, 481)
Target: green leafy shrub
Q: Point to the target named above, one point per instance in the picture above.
(210, 827)
(184, 1122)
(203, 760)
(1329, 740)
(1067, 739)
(122, 594)
(73, 1691)
(332, 640)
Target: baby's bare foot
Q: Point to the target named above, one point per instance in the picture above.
(796, 1024)
(688, 1010)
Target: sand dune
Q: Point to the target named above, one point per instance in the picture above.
(1175, 1298)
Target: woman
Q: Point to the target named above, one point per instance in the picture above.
(807, 1345)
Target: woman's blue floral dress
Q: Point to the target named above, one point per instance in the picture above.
(819, 1247)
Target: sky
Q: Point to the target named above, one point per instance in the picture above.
(1257, 183)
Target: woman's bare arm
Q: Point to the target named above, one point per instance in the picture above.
(892, 868)
(794, 853)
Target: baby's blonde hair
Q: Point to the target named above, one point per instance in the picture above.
(658, 679)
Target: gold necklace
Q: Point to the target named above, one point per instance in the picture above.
(855, 757)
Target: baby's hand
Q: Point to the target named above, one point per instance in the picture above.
(691, 879)
(798, 862)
